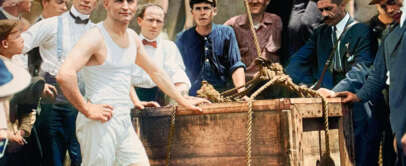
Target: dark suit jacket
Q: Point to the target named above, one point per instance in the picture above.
(397, 91)
(2, 16)
(384, 59)
(307, 64)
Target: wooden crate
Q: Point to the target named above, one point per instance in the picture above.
(285, 132)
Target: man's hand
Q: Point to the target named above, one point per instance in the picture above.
(16, 137)
(49, 91)
(100, 112)
(142, 104)
(191, 103)
(325, 92)
(348, 97)
(403, 142)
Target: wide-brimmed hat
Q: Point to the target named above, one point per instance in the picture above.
(12, 77)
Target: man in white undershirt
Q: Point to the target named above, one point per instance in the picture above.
(106, 55)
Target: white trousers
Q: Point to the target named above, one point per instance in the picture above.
(111, 143)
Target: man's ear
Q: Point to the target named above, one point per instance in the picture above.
(4, 44)
(139, 19)
(215, 11)
(343, 4)
(44, 3)
(105, 3)
(267, 3)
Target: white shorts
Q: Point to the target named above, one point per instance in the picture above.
(112, 143)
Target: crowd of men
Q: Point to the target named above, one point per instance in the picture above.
(87, 77)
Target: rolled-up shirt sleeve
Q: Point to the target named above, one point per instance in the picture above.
(234, 57)
(175, 66)
(38, 33)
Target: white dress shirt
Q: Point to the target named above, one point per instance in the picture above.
(167, 57)
(341, 25)
(43, 34)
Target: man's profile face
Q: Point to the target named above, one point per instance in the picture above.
(257, 6)
(84, 6)
(203, 14)
(121, 10)
(392, 8)
(332, 12)
(152, 23)
(55, 7)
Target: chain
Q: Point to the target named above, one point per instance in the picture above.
(171, 133)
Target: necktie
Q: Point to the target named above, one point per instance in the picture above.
(334, 34)
(78, 20)
(337, 64)
(148, 43)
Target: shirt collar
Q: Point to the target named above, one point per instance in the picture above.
(143, 37)
(265, 20)
(8, 15)
(213, 26)
(341, 25)
(76, 13)
(403, 17)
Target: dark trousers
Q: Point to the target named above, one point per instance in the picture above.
(401, 158)
(152, 94)
(57, 134)
(367, 132)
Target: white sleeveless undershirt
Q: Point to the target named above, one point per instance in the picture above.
(110, 82)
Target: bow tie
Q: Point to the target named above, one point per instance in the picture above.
(148, 43)
(78, 20)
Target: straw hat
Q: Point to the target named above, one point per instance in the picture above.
(12, 78)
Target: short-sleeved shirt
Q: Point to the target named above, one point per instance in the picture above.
(220, 47)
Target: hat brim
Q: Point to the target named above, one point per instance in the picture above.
(21, 79)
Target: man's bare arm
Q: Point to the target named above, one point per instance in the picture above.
(238, 77)
(88, 46)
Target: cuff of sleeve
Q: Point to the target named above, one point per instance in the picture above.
(363, 98)
(181, 77)
(236, 66)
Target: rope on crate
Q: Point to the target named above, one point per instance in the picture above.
(274, 74)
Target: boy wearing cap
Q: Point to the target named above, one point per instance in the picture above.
(387, 19)
(210, 51)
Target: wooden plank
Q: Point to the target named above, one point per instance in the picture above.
(288, 142)
(312, 108)
(346, 138)
(216, 108)
(221, 135)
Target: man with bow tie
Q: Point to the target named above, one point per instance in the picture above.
(55, 37)
(164, 53)
(337, 57)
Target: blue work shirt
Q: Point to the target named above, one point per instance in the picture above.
(213, 57)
